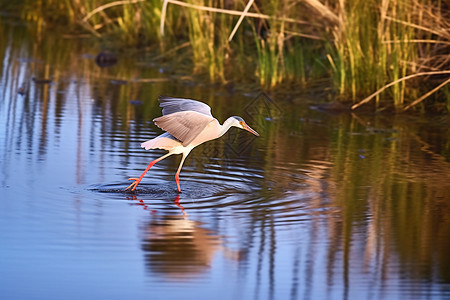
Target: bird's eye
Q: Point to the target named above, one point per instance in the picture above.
(241, 123)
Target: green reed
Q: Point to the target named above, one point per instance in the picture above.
(208, 39)
(367, 44)
(135, 24)
(282, 61)
(270, 58)
(282, 56)
(372, 48)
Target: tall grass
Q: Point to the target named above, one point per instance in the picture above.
(363, 44)
(285, 54)
(270, 57)
(208, 39)
(369, 50)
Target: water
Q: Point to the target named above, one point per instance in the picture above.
(320, 206)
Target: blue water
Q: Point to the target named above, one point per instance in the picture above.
(320, 206)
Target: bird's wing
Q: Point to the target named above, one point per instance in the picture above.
(172, 105)
(184, 125)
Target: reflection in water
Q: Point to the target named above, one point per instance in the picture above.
(178, 248)
(141, 203)
(177, 203)
(320, 206)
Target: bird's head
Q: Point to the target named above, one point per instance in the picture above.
(240, 123)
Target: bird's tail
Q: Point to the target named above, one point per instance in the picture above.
(165, 141)
(148, 144)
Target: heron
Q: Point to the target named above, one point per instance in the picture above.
(188, 123)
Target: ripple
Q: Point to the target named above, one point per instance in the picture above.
(290, 193)
(119, 188)
(194, 187)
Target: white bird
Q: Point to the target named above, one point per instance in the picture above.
(188, 123)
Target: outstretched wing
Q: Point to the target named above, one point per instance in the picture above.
(172, 105)
(184, 125)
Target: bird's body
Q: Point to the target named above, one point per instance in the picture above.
(188, 123)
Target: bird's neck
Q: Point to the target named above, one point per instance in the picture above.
(225, 126)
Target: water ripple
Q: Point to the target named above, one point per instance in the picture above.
(289, 193)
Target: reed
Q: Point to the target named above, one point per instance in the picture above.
(285, 54)
(362, 56)
(208, 39)
(362, 44)
(270, 57)
(132, 22)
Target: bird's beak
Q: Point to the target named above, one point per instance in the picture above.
(249, 129)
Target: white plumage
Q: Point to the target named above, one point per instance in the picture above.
(188, 123)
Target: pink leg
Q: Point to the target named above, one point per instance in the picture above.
(137, 180)
(177, 175)
(177, 180)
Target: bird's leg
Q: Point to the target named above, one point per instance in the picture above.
(137, 180)
(177, 175)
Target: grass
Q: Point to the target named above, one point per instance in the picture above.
(364, 55)
(363, 45)
(208, 40)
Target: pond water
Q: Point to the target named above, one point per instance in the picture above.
(320, 206)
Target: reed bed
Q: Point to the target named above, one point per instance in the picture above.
(366, 47)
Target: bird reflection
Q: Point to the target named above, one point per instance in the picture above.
(177, 203)
(145, 206)
(141, 202)
(179, 248)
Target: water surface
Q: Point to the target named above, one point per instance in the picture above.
(320, 206)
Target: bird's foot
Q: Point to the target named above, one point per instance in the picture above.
(134, 184)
